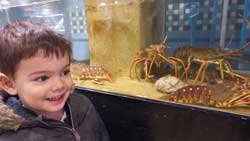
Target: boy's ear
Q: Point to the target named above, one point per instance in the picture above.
(7, 85)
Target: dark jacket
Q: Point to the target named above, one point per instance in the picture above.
(21, 124)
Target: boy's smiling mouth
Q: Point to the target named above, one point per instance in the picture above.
(56, 98)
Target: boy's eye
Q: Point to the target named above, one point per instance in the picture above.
(66, 72)
(42, 78)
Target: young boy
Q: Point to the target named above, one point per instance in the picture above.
(36, 83)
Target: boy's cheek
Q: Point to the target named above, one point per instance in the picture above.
(72, 87)
(71, 80)
(69, 83)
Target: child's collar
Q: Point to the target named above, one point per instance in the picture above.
(14, 103)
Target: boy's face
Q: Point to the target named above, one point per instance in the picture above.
(44, 83)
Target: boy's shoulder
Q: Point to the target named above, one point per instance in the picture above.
(79, 102)
(79, 98)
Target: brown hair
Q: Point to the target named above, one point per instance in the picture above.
(23, 39)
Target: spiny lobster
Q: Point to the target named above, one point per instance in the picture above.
(198, 94)
(207, 56)
(155, 54)
(96, 73)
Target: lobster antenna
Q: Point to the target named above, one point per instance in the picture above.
(231, 39)
(247, 22)
(165, 39)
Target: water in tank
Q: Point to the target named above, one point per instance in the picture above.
(192, 53)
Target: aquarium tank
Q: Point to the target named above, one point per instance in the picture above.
(193, 53)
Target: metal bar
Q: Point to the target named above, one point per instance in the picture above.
(213, 25)
(224, 24)
(243, 27)
(192, 21)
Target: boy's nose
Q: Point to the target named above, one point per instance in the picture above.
(58, 84)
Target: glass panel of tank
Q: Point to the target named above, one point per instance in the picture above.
(192, 53)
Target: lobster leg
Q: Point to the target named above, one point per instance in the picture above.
(190, 59)
(147, 70)
(138, 76)
(176, 72)
(172, 62)
(243, 99)
(221, 69)
(150, 67)
(226, 67)
(201, 70)
(179, 62)
(229, 71)
(240, 97)
(133, 62)
(135, 68)
(242, 104)
(204, 71)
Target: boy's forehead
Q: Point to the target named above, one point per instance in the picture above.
(42, 53)
(40, 60)
(41, 56)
